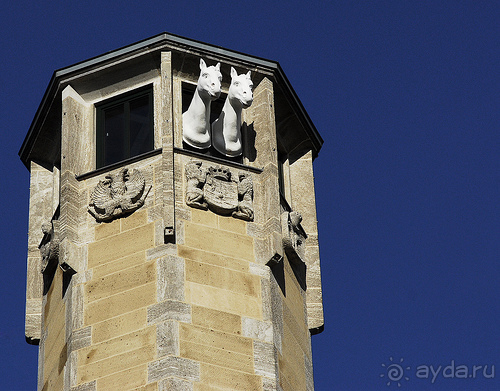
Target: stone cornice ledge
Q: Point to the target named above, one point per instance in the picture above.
(218, 160)
(121, 163)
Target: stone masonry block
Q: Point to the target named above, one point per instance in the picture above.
(216, 320)
(218, 241)
(128, 379)
(223, 300)
(257, 329)
(123, 362)
(167, 338)
(170, 281)
(259, 270)
(204, 217)
(219, 378)
(74, 312)
(202, 273)
(213, 258)
(121, 281)
(90, 386)
(169, 310)
(147, 387)
(162, 250)
(119, 325)
(216, 356)
(215, 338)
(134, 220)
(70, 378)
(116, 346)
(174, 384)
(231, 224)
(103, 230)
(270, 384)
(121, 245)
(121, 303)
(309, 374)
(265, 359)
(121, 264)
(80, 338)
(173, 366)
(267, 297)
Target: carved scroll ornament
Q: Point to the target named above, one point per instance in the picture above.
(217, 189)
(118, 195)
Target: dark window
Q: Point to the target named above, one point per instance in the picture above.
(124, 126)
(281, 174)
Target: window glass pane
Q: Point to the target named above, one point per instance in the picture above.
(114, 124)
(141, 136)
(124, 127)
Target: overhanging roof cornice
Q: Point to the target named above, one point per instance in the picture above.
(161, 42)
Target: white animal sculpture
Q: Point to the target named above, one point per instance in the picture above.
(226, 130)
(196, 120)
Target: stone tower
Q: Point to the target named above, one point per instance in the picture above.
(173, 240)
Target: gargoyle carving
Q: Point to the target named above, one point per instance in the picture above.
(49, 246)
(217, 189)
(294, 244)
(294, 236)
(117, 195)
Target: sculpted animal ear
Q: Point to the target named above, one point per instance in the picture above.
(217, 66)
(248, 75)
(233, 73)
(202, 64)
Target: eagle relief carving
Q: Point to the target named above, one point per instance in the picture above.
(117, 195)
(217, 189)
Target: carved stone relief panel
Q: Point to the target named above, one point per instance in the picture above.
(118, 195)
(220, 190)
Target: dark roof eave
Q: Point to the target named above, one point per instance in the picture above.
(316, 138)
(158, 40)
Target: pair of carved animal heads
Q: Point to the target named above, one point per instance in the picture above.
(225, 132)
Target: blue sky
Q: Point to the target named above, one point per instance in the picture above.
(406, 97)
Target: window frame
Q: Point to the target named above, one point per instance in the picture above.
(124, 101)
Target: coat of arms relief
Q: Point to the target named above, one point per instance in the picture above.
(218, 189)
(118, 195)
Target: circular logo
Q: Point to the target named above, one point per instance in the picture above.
(394, 372)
